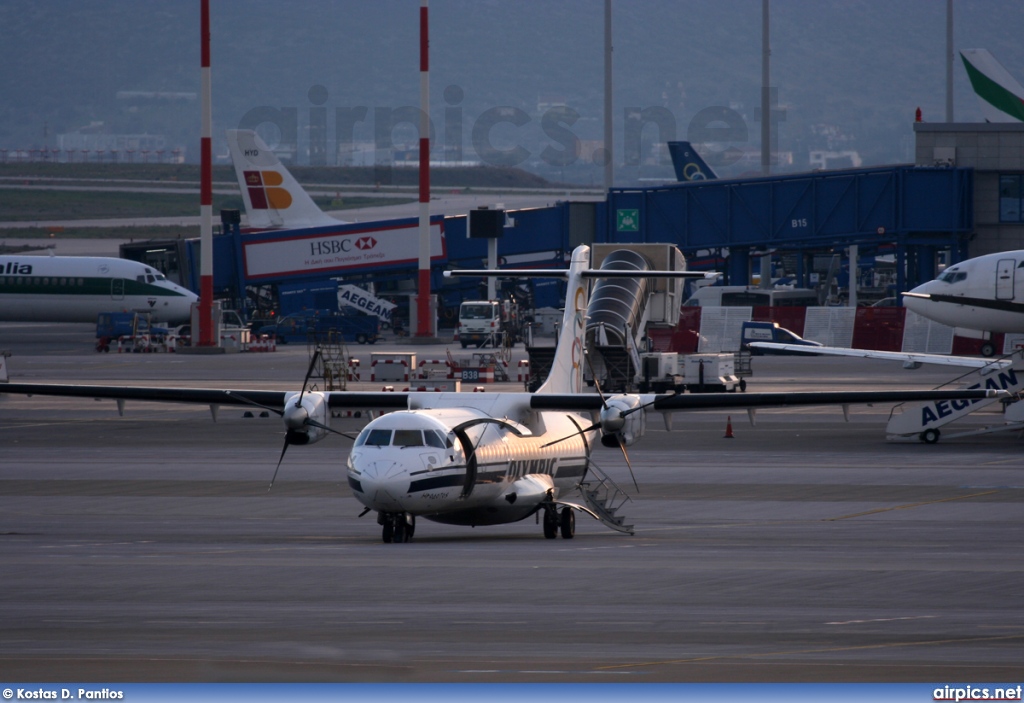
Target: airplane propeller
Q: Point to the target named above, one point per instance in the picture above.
(295, 416)
(610, 421)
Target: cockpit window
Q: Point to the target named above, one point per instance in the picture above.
(436, 438)
(403, 438)
(408, 438)
(953, 276)
(374, 438)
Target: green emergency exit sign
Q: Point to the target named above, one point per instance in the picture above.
(627, 220)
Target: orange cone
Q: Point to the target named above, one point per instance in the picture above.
(728, 429)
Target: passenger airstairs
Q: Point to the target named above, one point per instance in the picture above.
(604, 498)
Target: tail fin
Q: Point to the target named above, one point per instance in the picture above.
(1000, 95)
(273, 198)
(566, 375)
(688, 164)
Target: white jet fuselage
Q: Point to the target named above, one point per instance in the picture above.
(79, 288)
(985, 293)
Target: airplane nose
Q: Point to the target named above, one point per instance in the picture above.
(384, 484)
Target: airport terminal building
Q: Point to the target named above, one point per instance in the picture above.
(995, 152)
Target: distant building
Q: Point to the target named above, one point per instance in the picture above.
(89, 144)
(835, 159)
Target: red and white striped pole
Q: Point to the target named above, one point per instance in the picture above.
(206, 190)
(424, 323)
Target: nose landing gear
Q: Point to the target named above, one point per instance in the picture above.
(397, 527)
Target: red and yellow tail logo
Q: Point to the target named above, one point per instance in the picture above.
(264, 190)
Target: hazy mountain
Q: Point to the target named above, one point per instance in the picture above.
(849, 73)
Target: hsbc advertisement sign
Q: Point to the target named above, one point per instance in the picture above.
(335, 252)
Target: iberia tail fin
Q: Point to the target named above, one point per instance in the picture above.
(273, 198)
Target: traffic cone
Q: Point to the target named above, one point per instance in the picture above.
(728, 428)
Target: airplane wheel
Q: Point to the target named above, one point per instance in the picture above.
(930, 436)
(988, 349)
(550, 523)
(389, 531)
(401, 534)
(568, 523)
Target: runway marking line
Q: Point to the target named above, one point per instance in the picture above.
(907, 506)
(784, 653)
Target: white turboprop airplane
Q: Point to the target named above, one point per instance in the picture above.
(983, 294)
(273, 198)
(488, 458)
(79, 288)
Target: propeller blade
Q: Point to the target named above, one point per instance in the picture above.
(597, 386)
(305, 381)
(629, 465)
(280, 459)
(583, 432)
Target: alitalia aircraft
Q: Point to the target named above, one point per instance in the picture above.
(489, 458)
(78, 288)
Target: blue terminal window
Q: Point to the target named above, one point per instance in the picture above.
(1010, 198)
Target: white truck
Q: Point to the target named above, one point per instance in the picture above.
(483, 322)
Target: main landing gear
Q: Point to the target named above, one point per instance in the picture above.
(397, 527)
(555, 523)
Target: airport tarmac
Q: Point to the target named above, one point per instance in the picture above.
(147, 548)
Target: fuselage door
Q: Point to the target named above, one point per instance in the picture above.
(1004, 279)
(117, 288)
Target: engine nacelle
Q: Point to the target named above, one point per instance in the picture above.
(621, 421)
(297, 416)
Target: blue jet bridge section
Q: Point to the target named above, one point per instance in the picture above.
(912, 212)
(918, 209)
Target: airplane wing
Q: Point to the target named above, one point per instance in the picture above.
(203, 396)
(906, 357)
(669, 402)
(567, 402)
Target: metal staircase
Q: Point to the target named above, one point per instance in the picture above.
(604, 498)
